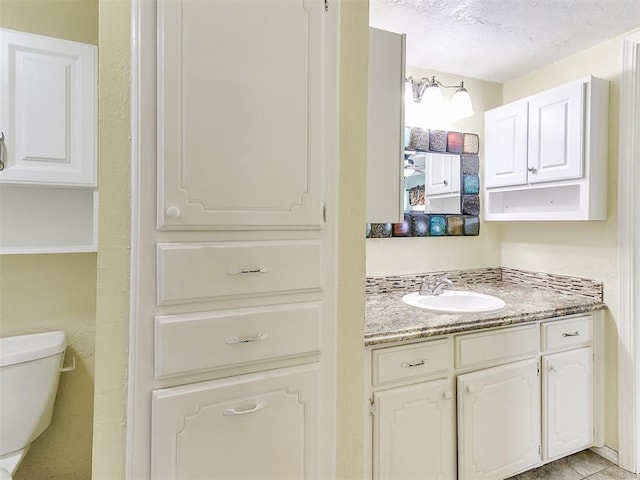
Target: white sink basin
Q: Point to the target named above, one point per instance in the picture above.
(455, 301)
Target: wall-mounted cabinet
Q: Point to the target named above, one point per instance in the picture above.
(48, 144)
(385, 127)
(546, 155)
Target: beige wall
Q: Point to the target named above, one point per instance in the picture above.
(354, 31)
(112, 322)
(56, 291)
(387, 256)
(583, 249)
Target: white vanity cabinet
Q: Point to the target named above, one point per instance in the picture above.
(385, 127)
(524, 395)
(546, 155)
(413, 424)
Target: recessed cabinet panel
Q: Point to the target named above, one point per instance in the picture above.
(240, 142)
(498, 421)
(191, 272)
(568, 398)
(506, 145)
(556, 134)
(245, 427)
(414, 432)
(50, 123)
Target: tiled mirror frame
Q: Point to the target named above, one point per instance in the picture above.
(467, 223)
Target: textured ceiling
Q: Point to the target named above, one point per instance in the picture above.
(498, 40)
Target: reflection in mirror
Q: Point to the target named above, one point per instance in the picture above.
(432, 183)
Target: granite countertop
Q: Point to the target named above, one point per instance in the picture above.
(388, 319)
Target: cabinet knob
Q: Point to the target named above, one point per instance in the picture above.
(173, 212)
(532, 169)
(553, 368)
(471, 389)
(448, 395)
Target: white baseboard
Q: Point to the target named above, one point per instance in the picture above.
(607, 453)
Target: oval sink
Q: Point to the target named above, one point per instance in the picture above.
(455, 301)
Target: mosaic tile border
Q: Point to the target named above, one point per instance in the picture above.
(467, 223)
(558, 283)
(540, 281)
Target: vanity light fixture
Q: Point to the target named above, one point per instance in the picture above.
(429, 91)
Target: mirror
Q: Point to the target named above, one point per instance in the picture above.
(432, 183)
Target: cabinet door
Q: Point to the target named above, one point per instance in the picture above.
(442, 174)
(505, 148)
(385, 127)
(255, 426)
(567, 410)
(240, 113)
(48, 113)
(556, 134)
(414, 432)
(498, 421)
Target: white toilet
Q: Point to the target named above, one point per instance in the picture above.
(29, 371)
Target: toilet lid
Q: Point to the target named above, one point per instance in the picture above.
(4, 474)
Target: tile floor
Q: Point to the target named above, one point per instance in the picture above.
(585, 464)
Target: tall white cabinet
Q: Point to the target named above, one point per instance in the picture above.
(233, 351)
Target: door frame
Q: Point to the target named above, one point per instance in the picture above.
(629, 257)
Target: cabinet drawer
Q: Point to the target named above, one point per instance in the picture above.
(496, 345)
(567, 333)
(193, 272)
(397, 363)
(195, 342)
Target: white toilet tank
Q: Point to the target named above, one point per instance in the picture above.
(29, 372)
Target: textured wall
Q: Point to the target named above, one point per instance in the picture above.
(354, 39)
(55, 292)
(582, 249)
(112, 322)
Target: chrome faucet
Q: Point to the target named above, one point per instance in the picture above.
(435, 286)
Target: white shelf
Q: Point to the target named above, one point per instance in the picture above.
(36, 219)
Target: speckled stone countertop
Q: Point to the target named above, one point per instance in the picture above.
(388, 319)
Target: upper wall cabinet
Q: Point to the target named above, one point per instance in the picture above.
(385, 127)
(48, 110)
(240, 128)
(546, 155)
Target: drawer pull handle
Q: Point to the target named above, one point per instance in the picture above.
(574, 334)
(244, 271)
(410, 365)
(232, 411)
(234, 340)
(448, 395)
(471, 389)
(1, 151)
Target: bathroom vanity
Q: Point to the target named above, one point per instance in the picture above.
(482, 395)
